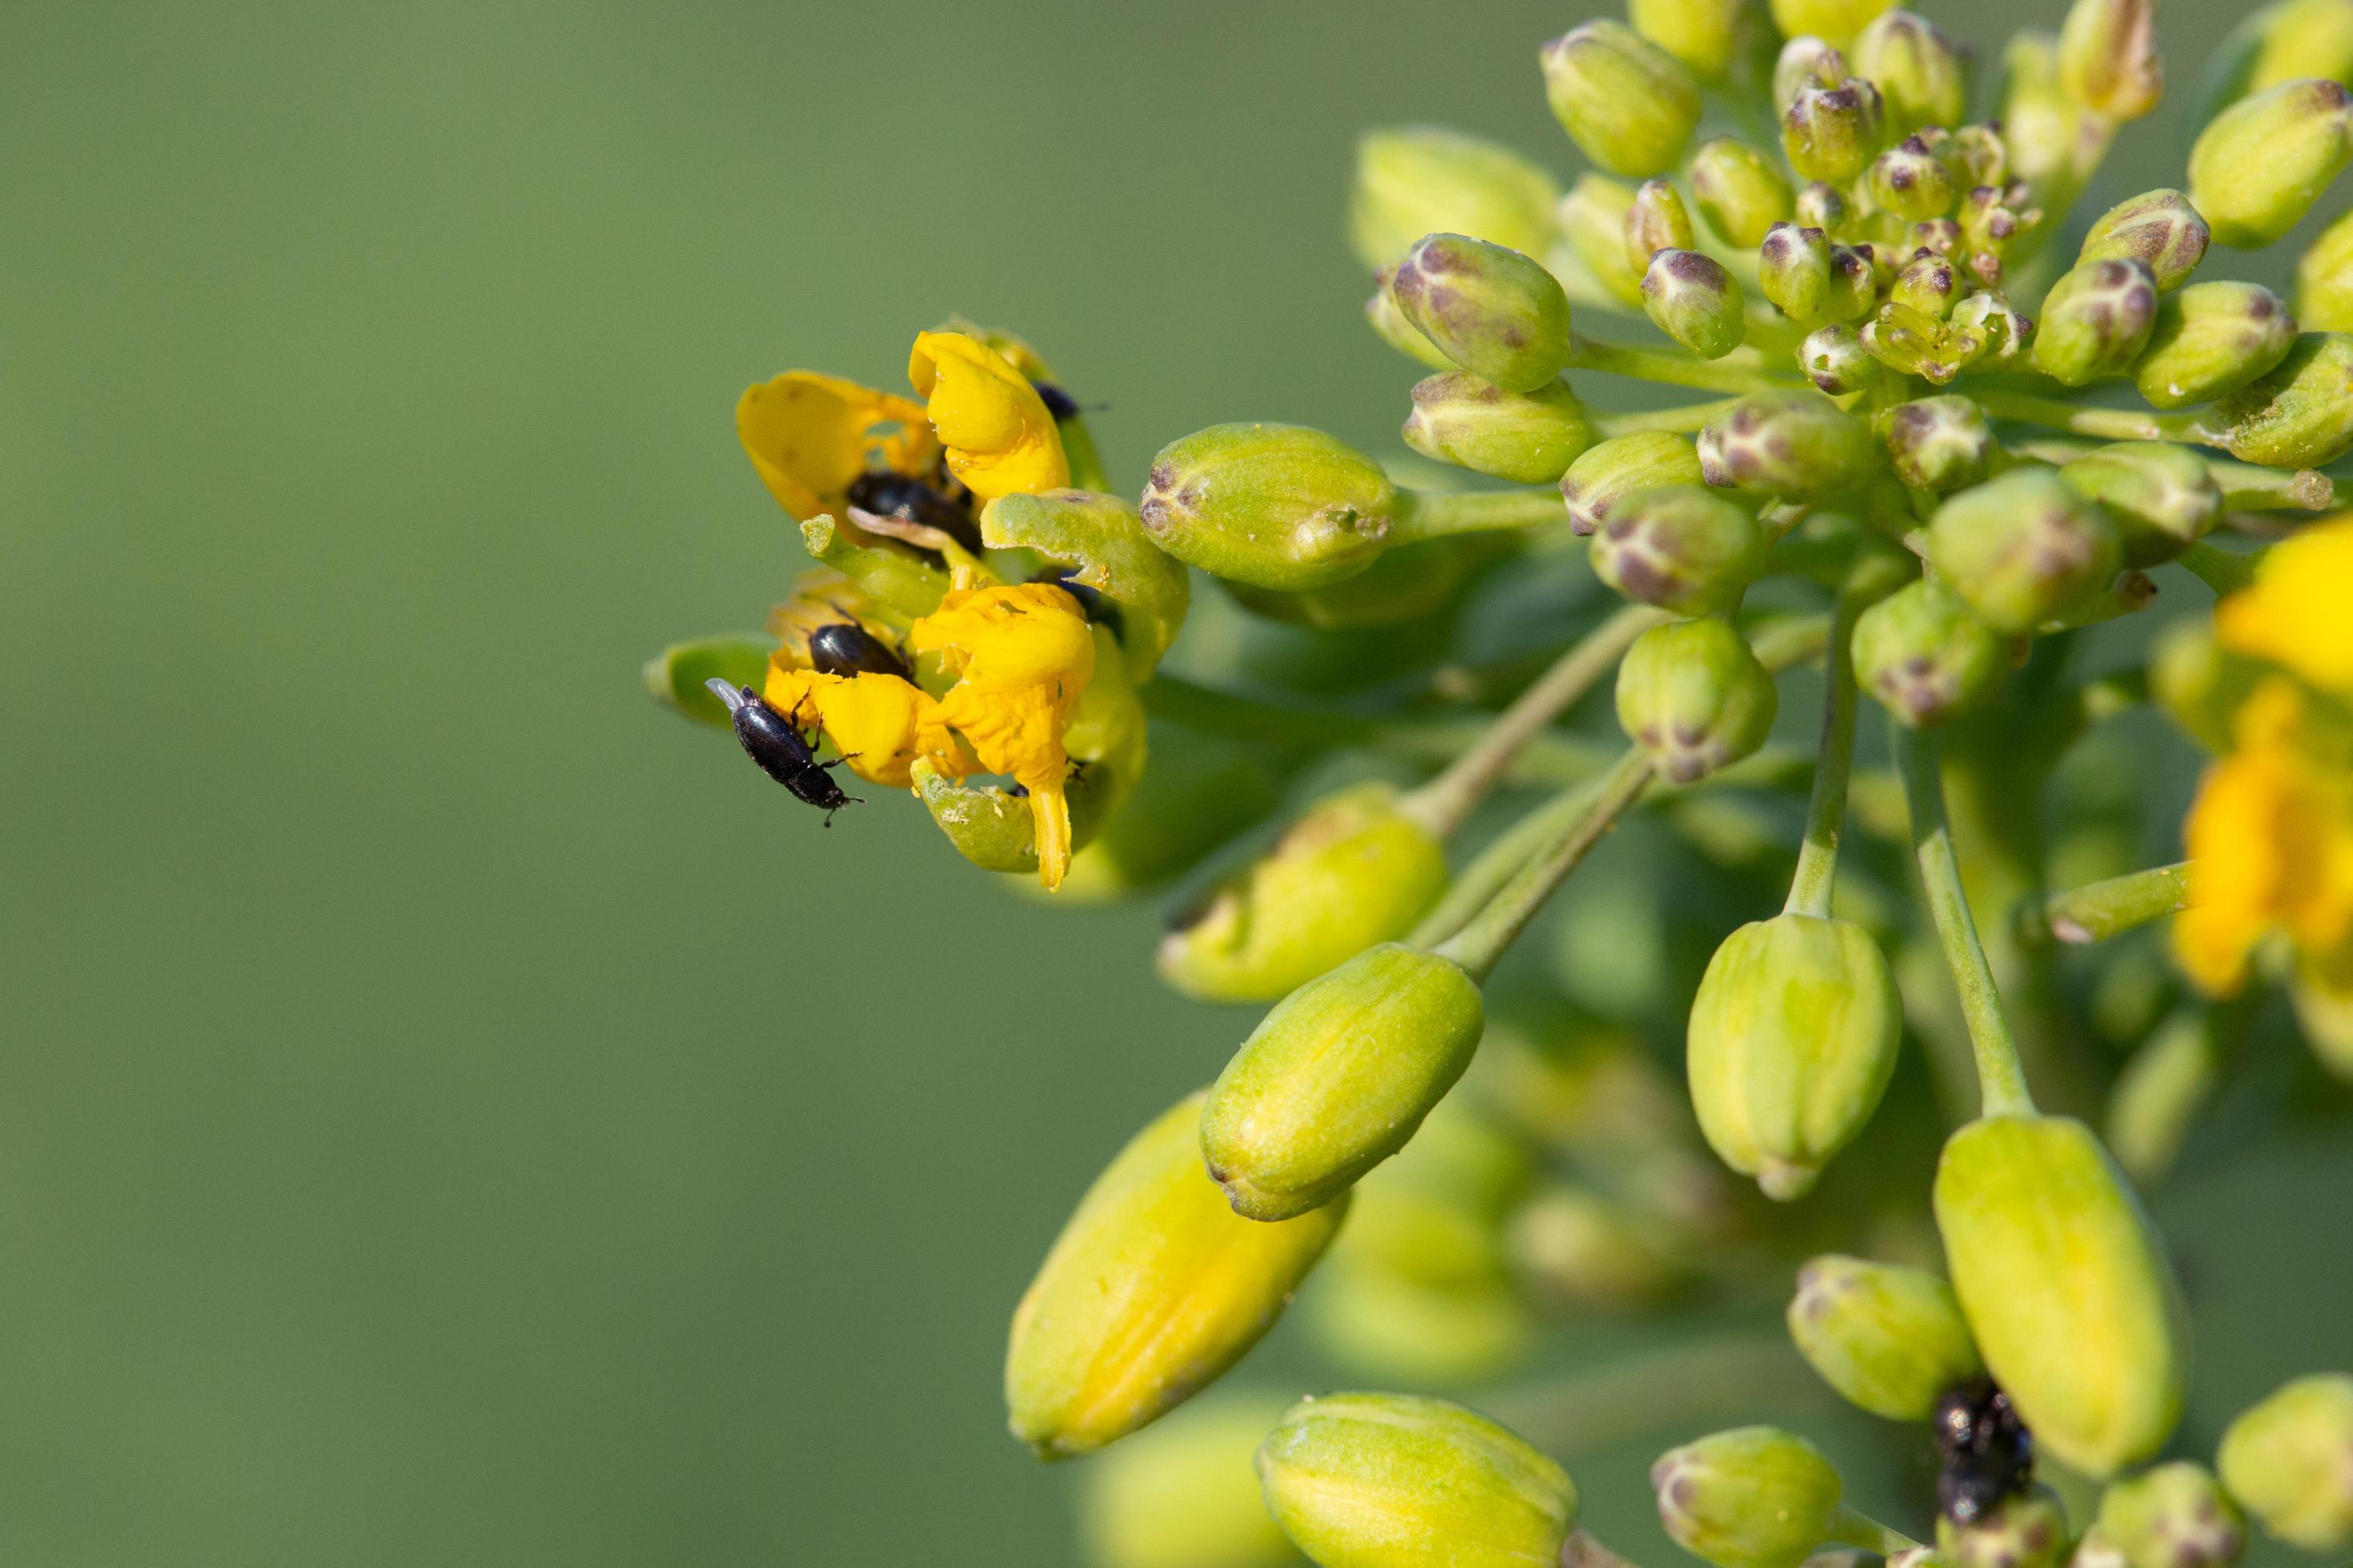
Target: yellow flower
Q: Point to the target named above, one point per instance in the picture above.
(811, 437)
(1023, 656)
(879, 723)
(2296, 615)
(2272, 836)
(1000, 437)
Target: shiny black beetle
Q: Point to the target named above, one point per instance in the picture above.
(911, 498)
(775, 743)
(845, 647)
(1987, 1450)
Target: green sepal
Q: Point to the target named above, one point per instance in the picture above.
(890, 573)
(675, 675)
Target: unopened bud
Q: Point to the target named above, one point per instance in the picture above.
(1692, 299)
(1683, 548)
(1796, 443)
(2043, 128)
(1280, 506)
(1111, 1334)
(2001, 333)
(2158, 228)
(1888, 1338)
(1834, 359)
(2024, 548)
(1616, 468)
(1793, 268)
(1389, 1480)
(1421, 179)
(1912, 342)
(1824, 208)
(2324, 277)
(1656, 221)
(2300, 416)
(1491, 310)
(1836, 22)
(1708, 36)
(1593, 217)
(2107, 57)
(1832, 133)
(2174, 1516)
(1806, 60)
(1925, 655)
(1184, 1494)
(1940, 444)
(1928, 283)
(2028, 1529)
(2095, 321)
(1401, 334)
(1694, 697)
(2162, 497)
(1528, 438)
(1627, 104)
(1910, 182)
(1921, 75)
(2284, 1458)
(2258, 168)
(1741, 192)
(1995, 221)
(1754, 1497)
(2211, 339)
(1940, 236)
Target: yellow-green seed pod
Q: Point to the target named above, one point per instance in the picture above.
(1683, 548)
(1740, 192)
(1790, 444)
(2174, 1516)
(1337, 1078)
(1835, 22)
(2259, 167)
(2213, 339)
(1832, 133)
(1692, 299)
(1793, 268)
(1529, 437)
(1614, 470)
(2095, 322)
(1656, 221)
(1099, 542)
(2160, 229)
(1939, 444)
(2107, 57)
(2301, 414)
(1890, 1339)
(1754, 1497)
(1835, 361)
(1389, 1481)
(1925, 655)
(1356, 870)
(1153, 1287)
(2024, 548)
(1627, 104)
(2286, 1461)
(1491, 310)
(1185, 1494)
(2066, 1287)
(1423, 179)
(1694, 697)
(2162, 497)
(1388, 321)
(1792, 1040)
(1593, 217)
(2025, 1530)
(1708, 36)
(2324, 277)
(1922, 77)
(1280, 506)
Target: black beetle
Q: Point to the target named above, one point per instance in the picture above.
(775, 743)
(845, 647)
(1058, 402)
(1987, 1452)
(888, 493)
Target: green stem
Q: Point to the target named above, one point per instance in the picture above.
(1417, 515)
(2001, 1080)
(1739, 371)
(1850, 1527)
(2219, 569)
(2098, 910)
(1810, 889)
(2108, 423)
(1685, 420)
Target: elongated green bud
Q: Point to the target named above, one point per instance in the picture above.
(1525, 436)
(1835, 22)
(1281, 506)
(1185, 1493)
(1940, 444)
(2107, 57)
(1694, 697)
(2324, 277)
(2161, 498)
(1922, 77)
(1423, 179)
(1656, 221)
(1888, 1338)
(1628, 105)
(2160, 229)
(1708, 36)
(1593, 216)
(1806, 60)
(1491, 310)
(2026, 1530)
(2066, 1287)
(1796, 443)
(1793, 266)
(1692, 299)
(2095, 322)
(1356, 870)
(1336, 1078)
(2024, 548)
(1834, 359)
(2174, 1516)
(1792, 1040)
(1741, 192)
(1925, 655)
(2300, 416)
(1153, 1287)
(1754, 1497)
(1832, 133)
(1616, 468)
(2259, 167)
(1910, 182)
(2284, 1458)
(1683, 548)
(1389, 1481)
(1381, 311)
(2211, 339)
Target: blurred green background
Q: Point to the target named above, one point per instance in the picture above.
(450, 1111)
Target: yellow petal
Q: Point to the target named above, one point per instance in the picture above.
(810, 435)
(999, 437)
(2297, 613)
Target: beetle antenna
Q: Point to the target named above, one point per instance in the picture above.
(727, 692)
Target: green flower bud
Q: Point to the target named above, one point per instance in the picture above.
(2042, 127)
(2174, 1516)
(1153, 1287)
(1627, 104)
(1099, 542)
(1928, 283)
(1908, 181)
(2002, 335)
(2066, 1287)
(1754, 1497)
(1401, 334)
(2213, 339)
(1834, 359)
(1995, 221)
(1889, 1339)
(1796, 443)
(1832, 133)
(1683, 548)
(1421, 179)
(2259, 167)
(1922, 77)
(2157, 229)
(1354, 870)
(2107, 57)
(1806, 61)
(1835, 22)
(1940, 444)
(1741, 193)
(1793, 1036)
(1491, 310)
(2284, 1458)
(1708, 36)
(1608, 473)
(2300, 416)
(2324, 277)
(1793, 266)
(1694, 697)
(1854, 283)
(1389, 1481)
(1824, 208)
(2095, 322)
(1693, 299)
(2027, 1530)
(1982, 155)
(2024, 548)
(1939, 237)
(1185, 1494)
(1336, 1078)
(1593, 216)
(675, 676)
(1656, 221)
(1525, 436)
(1278, 505)
(1925, 655)
(2160, 497)
(1593, 1251)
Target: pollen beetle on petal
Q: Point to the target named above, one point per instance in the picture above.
(775, 743)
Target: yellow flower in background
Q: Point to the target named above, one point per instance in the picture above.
(1023, 656)
(813, 436)
(999, 435)
(2299, 613)
(879, 723)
